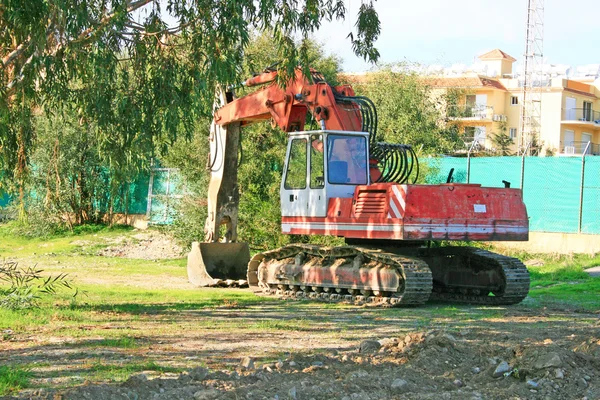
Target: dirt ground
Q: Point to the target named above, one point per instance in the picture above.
(146, 245)
(517, 352)
(482, 363)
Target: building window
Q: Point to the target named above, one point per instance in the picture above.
(469, 133)
(514, 101)
(512, 133)
(470, 100)
(587, 111)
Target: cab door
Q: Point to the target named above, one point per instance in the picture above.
(294, 193)
(317, 199)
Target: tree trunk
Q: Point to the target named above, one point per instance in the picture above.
(126, 203)
(21, 172)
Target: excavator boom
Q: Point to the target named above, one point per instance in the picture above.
(220, 256)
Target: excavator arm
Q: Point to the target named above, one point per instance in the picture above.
(287, 107)
(220, 256)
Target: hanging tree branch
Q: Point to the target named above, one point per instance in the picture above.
(143, 83)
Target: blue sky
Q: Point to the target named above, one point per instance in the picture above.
(448, 32)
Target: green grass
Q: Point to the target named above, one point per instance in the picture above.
(13, 378)
(559, 268)
(581, 296)
(25, 231)
(279, 325)
(122, 342)
(562, 281)
(123, 304)
(17, 245)
(116, 316)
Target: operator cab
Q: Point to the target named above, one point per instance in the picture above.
(321, 165)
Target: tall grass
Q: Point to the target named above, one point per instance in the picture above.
(13, 378)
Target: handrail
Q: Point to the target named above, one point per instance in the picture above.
(579, 147)
(470, 111)
(580, 114)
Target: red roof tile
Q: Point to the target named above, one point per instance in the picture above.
(496, 54)
(580, 92)
(465, 82)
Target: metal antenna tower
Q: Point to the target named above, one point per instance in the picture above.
(531, 110)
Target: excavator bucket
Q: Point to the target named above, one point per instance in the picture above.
(218, 264)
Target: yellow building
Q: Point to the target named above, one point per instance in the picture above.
(489, 100)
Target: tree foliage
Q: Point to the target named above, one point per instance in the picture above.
(408, 112)
(503, 143)
(142, 71)
(74, 179)
(24, 287)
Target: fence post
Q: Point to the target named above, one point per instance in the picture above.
(523, 167)
(150, 188)
(581, 188)
(469, 160)
(168, 195)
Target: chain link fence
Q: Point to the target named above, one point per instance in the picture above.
(562, 194)
(165, 188)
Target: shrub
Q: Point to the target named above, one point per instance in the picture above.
(26, 286)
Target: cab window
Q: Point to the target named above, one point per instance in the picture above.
(317, 162)
(347, 160)
(295, 177)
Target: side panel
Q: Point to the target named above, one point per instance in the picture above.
(421, 212)
(465, 212)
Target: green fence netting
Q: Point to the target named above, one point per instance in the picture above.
(552, 187)
(130, 198)
(4, 199)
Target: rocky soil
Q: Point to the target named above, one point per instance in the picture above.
(148, 245)
(420, 365)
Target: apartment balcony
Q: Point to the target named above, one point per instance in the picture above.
(467, 113)
(576, 148)
(581, 118)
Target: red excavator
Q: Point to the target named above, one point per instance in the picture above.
(339, 180)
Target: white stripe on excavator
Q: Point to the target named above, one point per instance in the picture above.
(395, 209)
(399, 197)
(344, 227)
(462, 228)
(434, 228)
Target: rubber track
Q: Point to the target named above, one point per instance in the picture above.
(514, 271)
(415, 273)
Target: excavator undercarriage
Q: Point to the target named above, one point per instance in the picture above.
(402, 276)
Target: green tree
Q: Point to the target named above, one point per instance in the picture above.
(502, 141)
(260, 54)
(74, 180)
(139, 79)
(408, 112)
